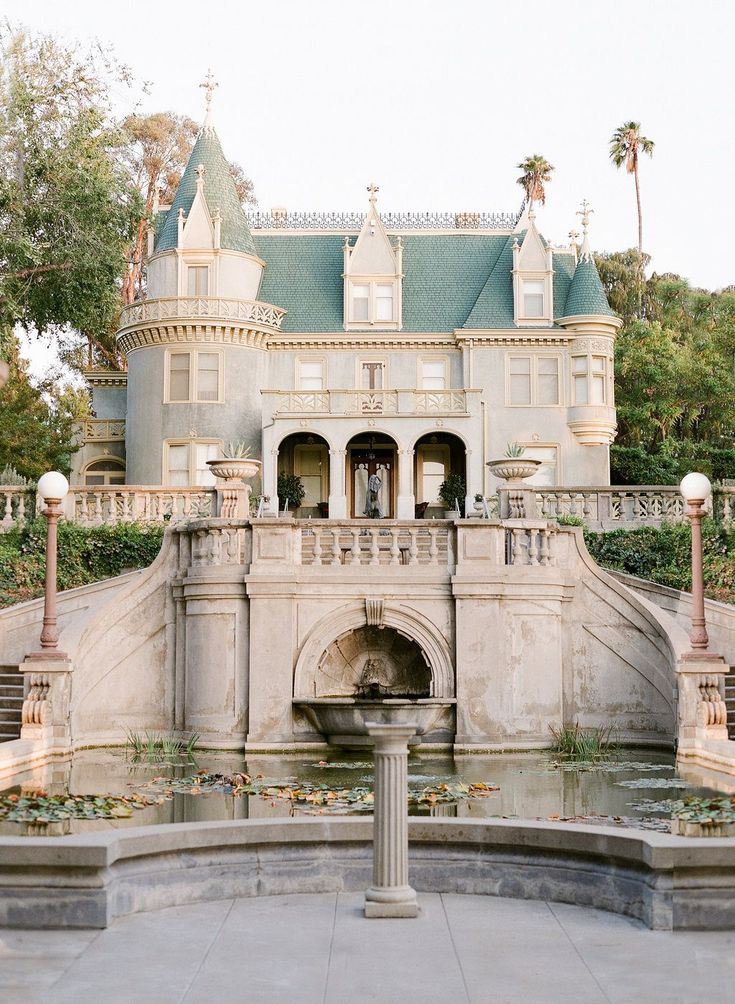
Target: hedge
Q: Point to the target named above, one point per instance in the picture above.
(86, 554)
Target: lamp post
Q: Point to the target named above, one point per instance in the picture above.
(696, 489)
(52, 489)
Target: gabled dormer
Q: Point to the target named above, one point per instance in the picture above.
(533, 275)
(373, 275)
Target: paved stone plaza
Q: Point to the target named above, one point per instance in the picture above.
(320, 948)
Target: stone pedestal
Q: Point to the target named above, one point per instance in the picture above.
(390, 895)
(46, 708)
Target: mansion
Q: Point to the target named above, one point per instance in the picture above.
(338, 346)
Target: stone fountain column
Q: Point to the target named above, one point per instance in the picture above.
(390, 895)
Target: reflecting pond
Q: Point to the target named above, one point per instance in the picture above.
(631, 788)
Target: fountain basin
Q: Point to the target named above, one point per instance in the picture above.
(341, 720)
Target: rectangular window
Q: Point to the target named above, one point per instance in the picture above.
(547, 473)
(383, 302)
(599, 380)
(197, 280)
(186, 462)
(311, 374)
(360, 303)
(371, 375)
(533, 298)
(208, 376)
(547, 380)
(579, 379)
(433, 374)
(178, 465)
(520, 380)
(194, 376)
(179, 372)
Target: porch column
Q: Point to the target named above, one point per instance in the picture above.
(337, 482)
(406, 502)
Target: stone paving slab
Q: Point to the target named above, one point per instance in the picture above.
(319, 948)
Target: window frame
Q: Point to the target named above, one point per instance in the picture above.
(372, 282)
(192, 443)
(198, 265)
(444, 360)
(533, 378)
(120, 468)
(298, 362)
(194, 354)
(589, 375)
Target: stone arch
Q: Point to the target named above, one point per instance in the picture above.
(308, 431)
(405, 621)
(373, 430)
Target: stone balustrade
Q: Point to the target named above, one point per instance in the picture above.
(173, 307)
(377, 542)
(367, 402)
(529, 544)
(17, 505)
(95, 506)
(615, 507)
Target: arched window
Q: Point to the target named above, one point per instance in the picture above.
(109, 471)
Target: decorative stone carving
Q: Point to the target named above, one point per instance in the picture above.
(374, 612)
(37, 706)
(711, 709)
(372, 661)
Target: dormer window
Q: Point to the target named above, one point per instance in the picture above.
(372, 302)
(533, 298)
(197, 280)
(372, 275)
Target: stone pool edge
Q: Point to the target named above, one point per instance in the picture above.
(87, 880)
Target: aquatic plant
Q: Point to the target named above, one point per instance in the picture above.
(153, 746)
(571, 740)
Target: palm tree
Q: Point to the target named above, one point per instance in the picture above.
(536, 173)
(625, 145)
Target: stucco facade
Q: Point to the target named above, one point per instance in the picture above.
(404, 345)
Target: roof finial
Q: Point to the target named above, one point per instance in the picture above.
(200, 171)
(209, 86)
(585, 252)
(373, 189)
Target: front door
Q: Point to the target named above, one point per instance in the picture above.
(381, 463)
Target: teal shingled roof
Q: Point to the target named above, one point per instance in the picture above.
(219, 191)
(450, 281)
(586, 295)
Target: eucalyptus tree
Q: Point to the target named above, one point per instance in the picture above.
(626, 145)
(536, 175)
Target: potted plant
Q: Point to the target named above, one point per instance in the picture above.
(479, 504)
(452, 491)
(235, 464)
(514, 467)
(290, 487)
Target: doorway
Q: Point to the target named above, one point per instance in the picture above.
(368, 457)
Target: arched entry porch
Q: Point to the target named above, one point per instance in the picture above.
(372, 455)
(437, 456)
(306, 456)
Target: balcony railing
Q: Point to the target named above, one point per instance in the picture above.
(172, 307)
(367, 402)
(103, 430)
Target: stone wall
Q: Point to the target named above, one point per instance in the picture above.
(236, 618)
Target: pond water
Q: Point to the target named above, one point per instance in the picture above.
(632, 788)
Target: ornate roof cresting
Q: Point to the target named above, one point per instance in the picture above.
(209, 85)
(585, 252)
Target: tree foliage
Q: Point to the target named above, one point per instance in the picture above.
(67, 207)
(37, 420)
(674, 373)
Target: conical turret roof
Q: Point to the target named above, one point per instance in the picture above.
(219, 192)
(586, 294)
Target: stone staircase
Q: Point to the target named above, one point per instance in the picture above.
(11, 702)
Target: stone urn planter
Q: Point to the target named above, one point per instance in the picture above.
(231, 469)
(514, 470)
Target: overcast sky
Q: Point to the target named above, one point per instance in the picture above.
(438, 101)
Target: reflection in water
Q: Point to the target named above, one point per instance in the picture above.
(531, 785)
